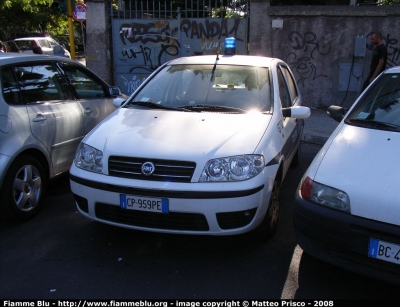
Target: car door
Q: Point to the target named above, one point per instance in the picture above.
(91, 92)
(291, 127)
(55, 119)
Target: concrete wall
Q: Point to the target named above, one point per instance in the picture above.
(98, 39)
(318, 43)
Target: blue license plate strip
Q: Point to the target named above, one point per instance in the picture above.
(150, 204)
(383, 250)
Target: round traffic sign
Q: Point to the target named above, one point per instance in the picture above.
(79, 14)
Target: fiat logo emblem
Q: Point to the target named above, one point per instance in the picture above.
(148, 168)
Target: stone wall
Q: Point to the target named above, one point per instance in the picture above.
(318, 43)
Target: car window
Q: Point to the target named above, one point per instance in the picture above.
(25, 45)
(381, 102)
(52, 43)
(10, 87)
(44, 43)
(86, 84)
(41, 82)
(237, 86)
(291, 84)
(283, 91)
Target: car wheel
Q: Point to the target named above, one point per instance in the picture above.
(268, 226)
(23, 189)
(271, 218)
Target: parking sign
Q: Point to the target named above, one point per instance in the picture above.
(79, 14)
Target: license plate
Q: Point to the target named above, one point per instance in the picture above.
(384, 250)
(151, 204)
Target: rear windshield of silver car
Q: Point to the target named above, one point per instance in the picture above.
(244, 87)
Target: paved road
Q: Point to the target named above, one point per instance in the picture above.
(62, 255)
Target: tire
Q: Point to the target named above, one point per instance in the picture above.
(268, 226)
(23, 190)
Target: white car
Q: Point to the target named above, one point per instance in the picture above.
(347, 208)
(47, 105)
(47, 44)
(202, 148)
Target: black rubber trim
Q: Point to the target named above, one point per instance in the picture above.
(164, 193)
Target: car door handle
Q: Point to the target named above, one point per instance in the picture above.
(40, 118)
(88, 111)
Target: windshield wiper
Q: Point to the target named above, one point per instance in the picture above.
(373, 124)
(212, 108)
(152, 105)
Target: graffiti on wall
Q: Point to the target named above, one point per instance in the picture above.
(302, 61)
(131, 84)
(211, 29)
(142, 47)
(136, 37)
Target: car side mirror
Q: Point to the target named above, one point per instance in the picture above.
(299, 112)
(117, 102)
(336, 112)
(115, 91)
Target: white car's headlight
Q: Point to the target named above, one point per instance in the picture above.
(232, 168)
(325, 195)
(89, 158)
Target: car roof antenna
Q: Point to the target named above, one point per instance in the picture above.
(215, 66)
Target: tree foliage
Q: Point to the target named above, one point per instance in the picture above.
(29, 17)
(390, 2)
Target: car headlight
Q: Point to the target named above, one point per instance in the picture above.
(89, 158)
(325, 195)
(232, 168)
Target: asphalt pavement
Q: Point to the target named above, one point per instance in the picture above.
(318, 127)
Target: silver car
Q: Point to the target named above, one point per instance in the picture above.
(47, 105)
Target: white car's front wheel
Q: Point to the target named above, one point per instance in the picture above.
(268, 226)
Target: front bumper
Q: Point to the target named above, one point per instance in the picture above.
(343, 239)
(197, 211)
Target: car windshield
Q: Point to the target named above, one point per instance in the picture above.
(380, 106)
(231, 88)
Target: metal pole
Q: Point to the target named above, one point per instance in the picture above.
(178, 10)
(83, 39)
(71, 30)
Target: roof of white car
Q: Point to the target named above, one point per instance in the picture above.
(247, 60)
(395, 69)
(32, 38)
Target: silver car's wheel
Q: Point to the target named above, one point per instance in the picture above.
(23, 189)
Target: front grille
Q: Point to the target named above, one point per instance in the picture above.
(165, 170)
(170, 221)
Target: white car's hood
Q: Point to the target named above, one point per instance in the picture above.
(364, 164)
(178, 135)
